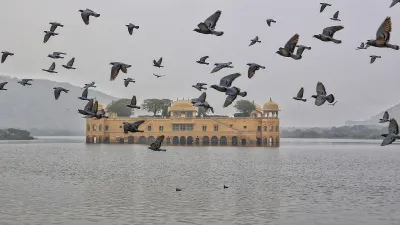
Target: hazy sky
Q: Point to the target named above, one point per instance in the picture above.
(166, 29)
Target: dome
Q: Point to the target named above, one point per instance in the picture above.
(258, 108)
(271, 106)
(182, 105)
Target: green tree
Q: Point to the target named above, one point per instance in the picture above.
(120, 108)
(156, 105)
(245, 107)
(166, 104)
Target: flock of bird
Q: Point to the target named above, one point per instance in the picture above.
(208, 27)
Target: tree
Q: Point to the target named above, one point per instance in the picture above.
(157, 105)
(166, 104)
(120, 108)
(245, 107)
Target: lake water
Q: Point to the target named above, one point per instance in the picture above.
(64, 181)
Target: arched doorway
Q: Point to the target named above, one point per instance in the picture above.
(206, 140)
(131, 140)
(190, 140)
(107, 140)
(197, 141)
(87, 139)
(92, 140)
(175, 140)
(121, 140)
(142, 140)
(265, 141)
(168, 140)
(150, 140)
(243, 141)
(182, 140)
(234, 141)
(223, 141)
(258, 141)
(214, 140)
(100, 140)
(271, 141)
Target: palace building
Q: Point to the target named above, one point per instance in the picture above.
(183, 128)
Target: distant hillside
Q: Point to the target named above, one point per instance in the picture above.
(394, 112)
(34, 108)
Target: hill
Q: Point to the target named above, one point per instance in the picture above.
(394, 112)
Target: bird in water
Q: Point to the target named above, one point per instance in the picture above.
(158, 76)
(327, 34)
(299, 96)
(70, 64)
(200, 86)
(4, 55)
(58, 90)
(92, 84)
(270, 21)
(225, 85)
(336, 16)
(385, 118)
(394, 2)
(133, 127)
(128, 80)
(219, 66)
(131, 27)
(157, 63)
(116, 67)
(87, 110)
(133, 103)
(373, 58)
(393, 133)
(322, 96)
(253, 67)
(2, 86)
(56, 55)
(156, 145)
(51, 68)
(54, 26)
(25, 82)
(201, 102)
(84, 95)
(208, 26)
(323, 6)
(362, 46)
(47, 35)
(383, 36)
(202, 60)
(333, 104)
(85, 14)
(255, 40)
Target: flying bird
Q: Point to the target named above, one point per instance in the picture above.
(208, 26)
(336, 16)
(87, 110)
(394, 2)
(47, 35)
(54, 26)
(101, 114)
(58, 90)
(201, 102)
(89, 85)
(385, 118)
(374, 57)
(85, 14)
(4, 55)
(253, 67)
(133, 127)
(116, 67)
(322, 96)
(51, 68)
(84, 95)
(225, 85)
(56, 55)
(393, 133)
(327, 34)
(127, 81)
(299, 96)
(299, 52)
(133, 103)
(157, 63)
(25, 82)
(362, 46)
(255, 40)
(155, 146)
(288, 50)
(202, 60)
(2, 86)
(131, 27)
(219, 66)
(383, 36)
(200, 86)
(70, 64)
(323, 6)
(269, 21)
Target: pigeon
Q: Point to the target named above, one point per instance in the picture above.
(323, 6)
(54, 26)
(88, 108)
(255, 40)
(299, 96)
(225, 187)
(127, 81)
(70, 64)
(336, 16)
(116, 67)
(101, 114)
(362, 46)
(133, 127)
(225, 86)
(269, 21)
(201, 102)
(299, 52)
(48, 35)
(383, 36)
(288, 50)
(199, 86)
(253, 67)
(58, 90)
(131, 27)
(2, 86)
(385, 118)
(155, 146)
(89, 85)
(157, 63)
(393, 133)
(4, 55)
(374, 57)
(84, 95)
(208, 26)
(332, 104)
(85, 14)
(25, 82)
(158, 76)
(327, 34)
(56, 55)
(394, 3)
(133, 103)
(202, 60)
(321, 96)
(219, 66)
(92, 113)
(51, 68)
(178, 189)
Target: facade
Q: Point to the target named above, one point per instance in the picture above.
(185, 129)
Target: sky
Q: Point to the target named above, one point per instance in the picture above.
(166, 30)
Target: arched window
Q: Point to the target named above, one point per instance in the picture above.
(271, 128)
(106, 128)
(277, 128)
(94, 127)
(100, 127)
(88, 127)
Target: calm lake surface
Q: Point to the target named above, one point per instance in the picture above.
(63, 181)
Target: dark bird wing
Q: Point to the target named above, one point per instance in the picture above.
(211, 21)
(85, 17)
(323, 6)
(202, 97)
(53, 66)
(201, 84)
(71, 62)
(137, 124)
(133, 100)
(95, 107)
(394, 2)
(126, 82)
(251, 71)
(320, 100)
(386, 116)
(130, 30)
(159, 140)
(85, 93)
(159, 61)
(3, 57)
(204, 58)
(114, 71)
(383, 33)
(227, 80)
(229, 100)
(126, 127)
(301, 93)
(89, 106)
(330, 31)
(3, 84)
(53, 27)
(393, 127)
(46, 37)
(291, 44)
(321, 89)
(388, 140)
(217, 68)
(372, 60)
(336, 15)
(57, 93)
